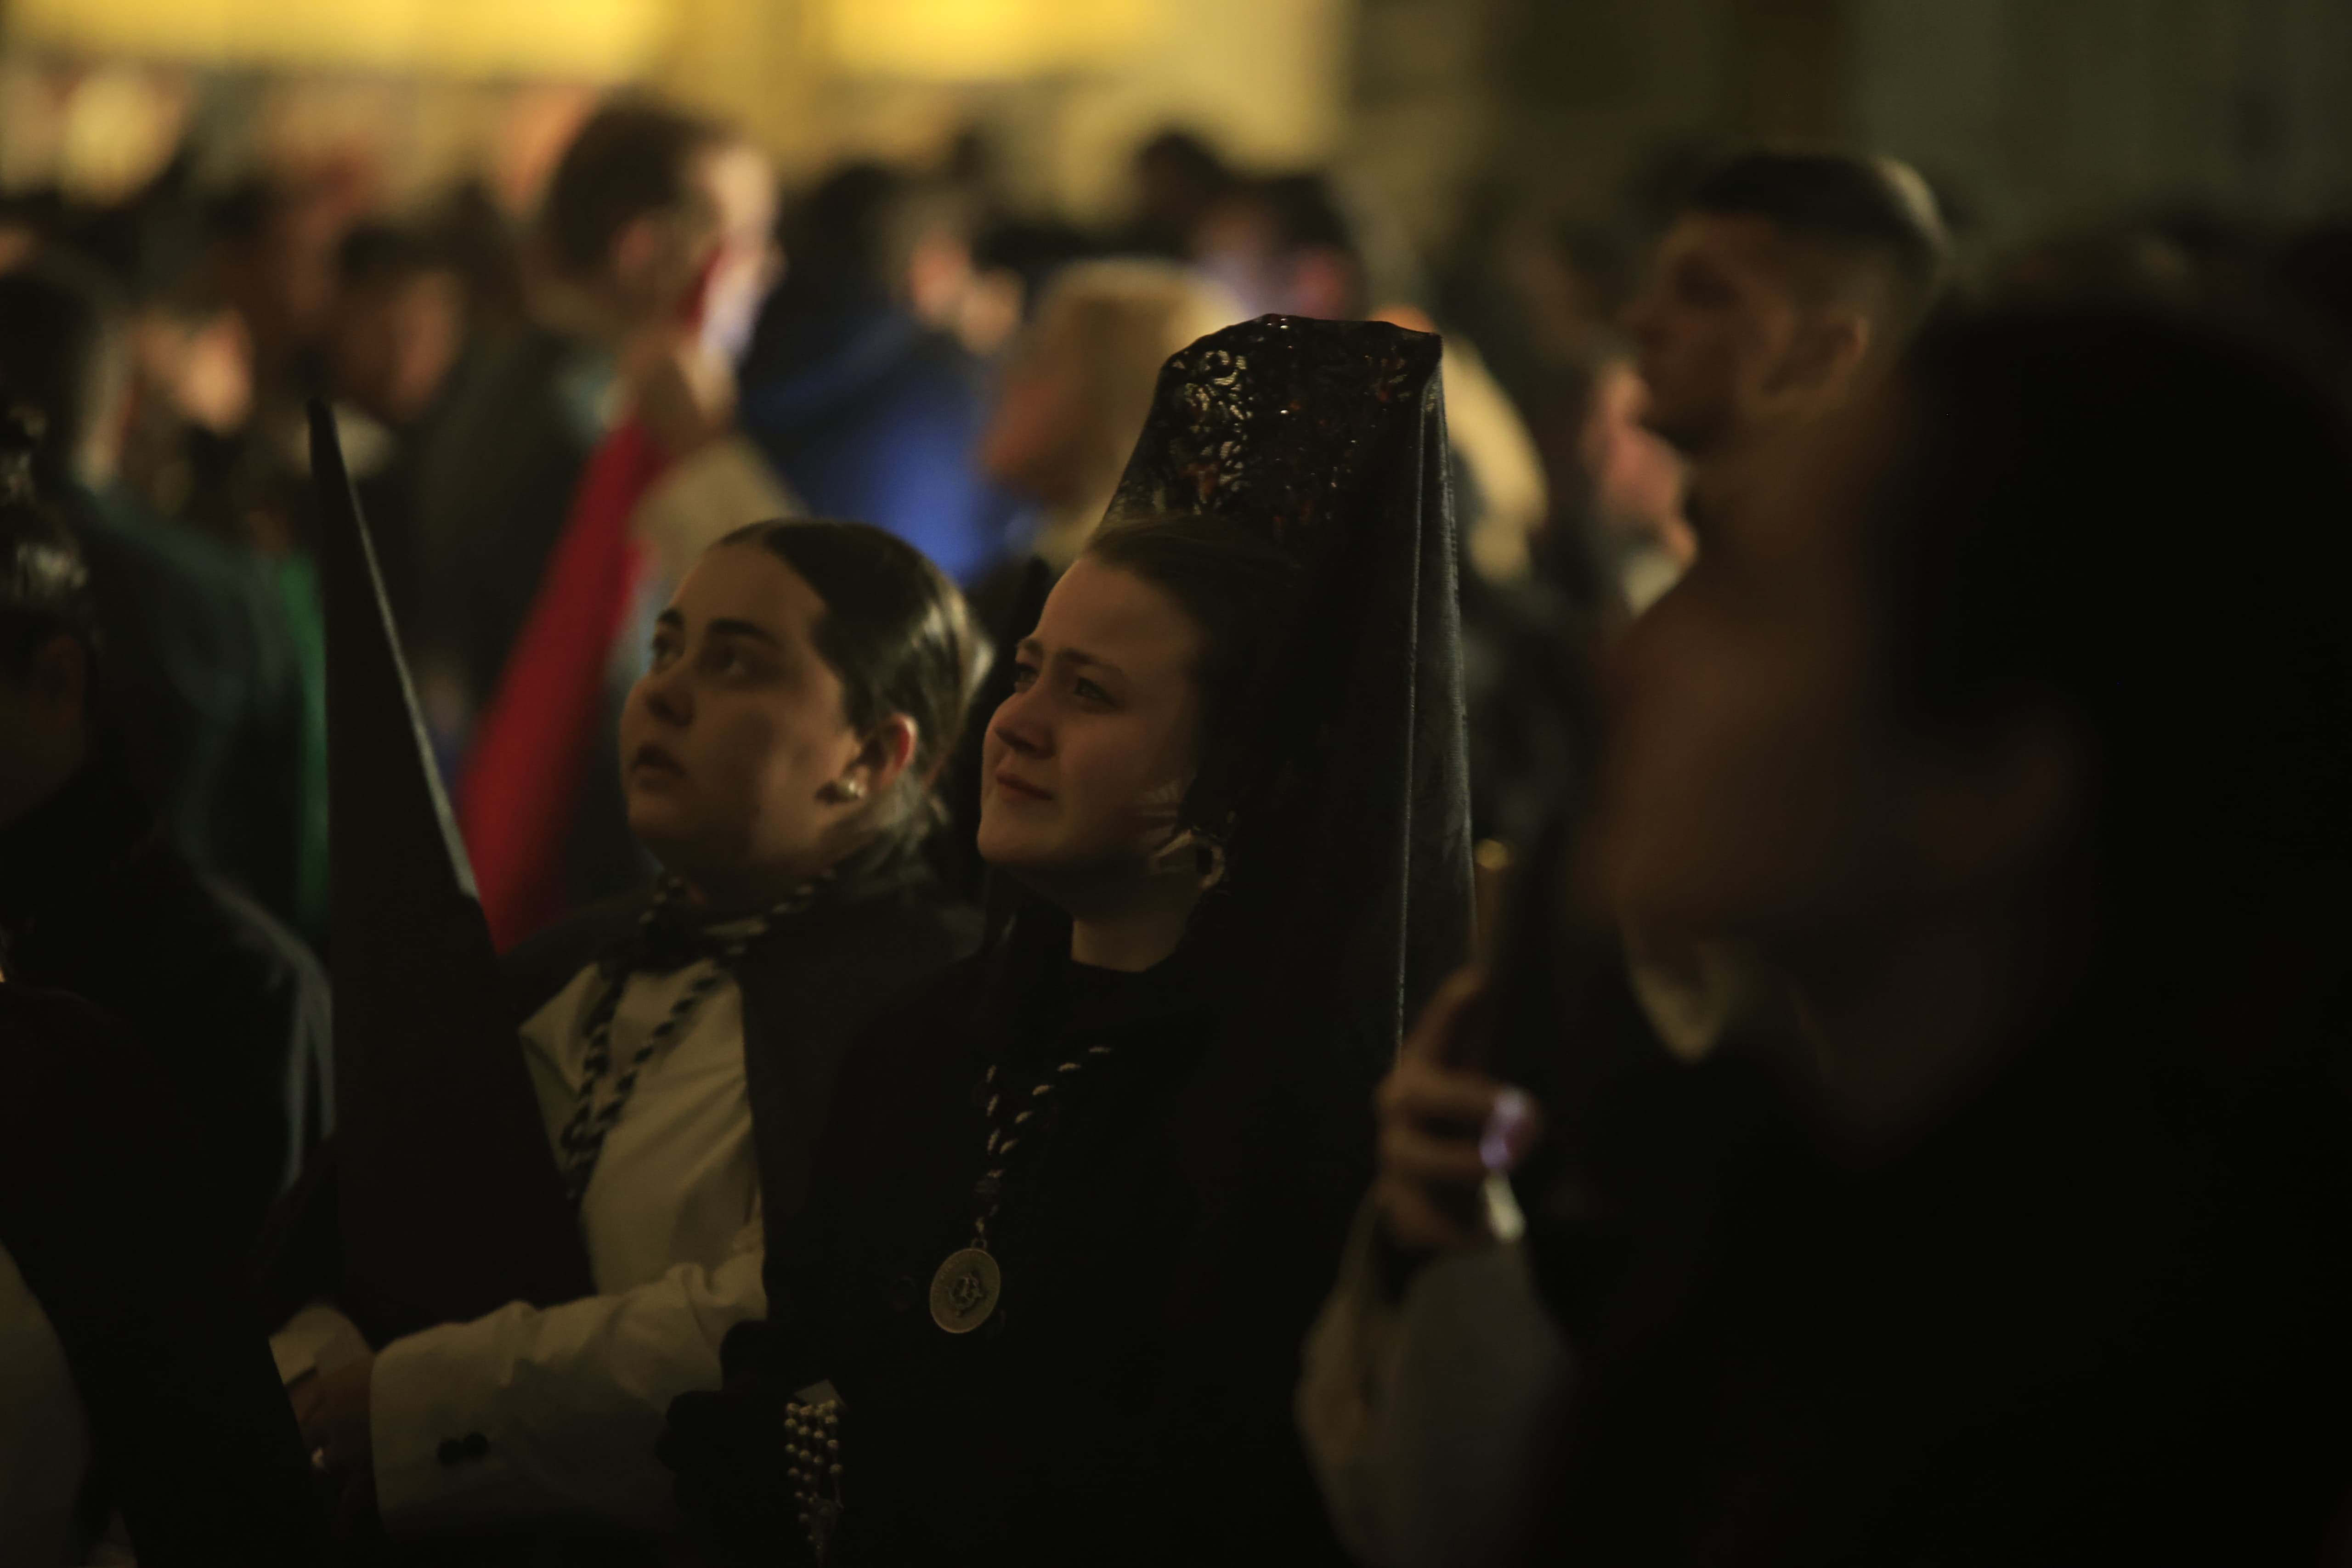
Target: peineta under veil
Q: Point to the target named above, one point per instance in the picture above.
(1351, 819)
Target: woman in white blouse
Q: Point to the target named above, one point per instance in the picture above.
(807, 683)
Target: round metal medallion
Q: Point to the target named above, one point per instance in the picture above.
(964, 1290)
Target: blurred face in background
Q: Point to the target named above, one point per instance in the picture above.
(1084, 764)
(1716, 327)
(198, 368)
(281, 280)
(1239, 246)
(734, 739)
(394, 338)
(1036, 442)
(720, 241)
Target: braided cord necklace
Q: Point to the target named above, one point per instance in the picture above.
(582, 1143)
(965, 1290)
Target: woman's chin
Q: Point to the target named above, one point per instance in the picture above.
(1004, 851)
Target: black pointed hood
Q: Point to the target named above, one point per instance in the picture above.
(449, 1200)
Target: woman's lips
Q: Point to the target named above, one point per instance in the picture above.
(1020, 789)
(654, 759)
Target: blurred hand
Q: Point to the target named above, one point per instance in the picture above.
(684, 389)
(333, 1411)
(1446, 1126)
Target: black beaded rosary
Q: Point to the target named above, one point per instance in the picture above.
(583, 1140)
(965, 1290)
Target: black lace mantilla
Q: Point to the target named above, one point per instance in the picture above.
(1278, 423)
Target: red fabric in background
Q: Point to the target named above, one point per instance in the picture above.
(518, 797)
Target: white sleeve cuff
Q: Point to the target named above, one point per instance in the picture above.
(317, 1339)
(550, 1416)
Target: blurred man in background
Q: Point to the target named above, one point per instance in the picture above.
(1789, 281)
(651, 251)
(1788, 278)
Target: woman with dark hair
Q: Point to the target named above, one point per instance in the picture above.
(1082, 1195)
(807, 682)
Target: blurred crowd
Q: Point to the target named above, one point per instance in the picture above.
(901, 345)
(896, 345)
(549, 419)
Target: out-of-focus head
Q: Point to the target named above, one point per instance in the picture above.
(273, 261)
(1286, 246)
(49, 635)
(63, 352)
(1142, 679)
(399, 313)
(649, 203)
(1074, 397)
(1179, 178)
(2048, 631)
(1787, 279)
(882, 226)
(808, 681)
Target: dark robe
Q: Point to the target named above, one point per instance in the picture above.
(2091, 1315)
(104, 1207)
(98, 900)
(1129, 1399)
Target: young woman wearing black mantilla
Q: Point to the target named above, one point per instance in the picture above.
(1081, 1194)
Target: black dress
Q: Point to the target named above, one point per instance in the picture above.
(1162, 1251)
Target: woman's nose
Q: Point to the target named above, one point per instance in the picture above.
(666, 696)
(1019, 725)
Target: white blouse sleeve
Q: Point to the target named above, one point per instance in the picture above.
(549, 1415)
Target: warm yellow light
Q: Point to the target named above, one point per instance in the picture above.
(974, 40)
(573, 38)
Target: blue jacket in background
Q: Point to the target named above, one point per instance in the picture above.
(868, 415)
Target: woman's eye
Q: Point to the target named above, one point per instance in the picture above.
(1024, 676)
(664, 651)
(1088, 691)
(728, 661)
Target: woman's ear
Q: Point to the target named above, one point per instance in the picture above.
(888, 751)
